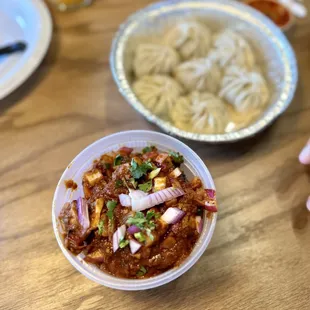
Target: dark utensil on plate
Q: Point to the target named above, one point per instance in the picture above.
(18, 46)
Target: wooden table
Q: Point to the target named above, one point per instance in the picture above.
(259, 257)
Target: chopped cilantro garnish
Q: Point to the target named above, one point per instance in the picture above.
(111, 204)
(107, 165)
(151, 225)
(143, 222)
(133, 182)
(146, 187)
(138, 219)
(177, 158)
(148, 149)
(118, 160)
(150, 214)
(118, 183)
(141, 272)
(123, 243)
(139, 236)
(137, 171)
(100, 227)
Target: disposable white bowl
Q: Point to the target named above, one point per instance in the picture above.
(138, 139)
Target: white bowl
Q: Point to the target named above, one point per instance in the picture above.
(137, 139)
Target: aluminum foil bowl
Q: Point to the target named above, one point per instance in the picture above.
(277, 61)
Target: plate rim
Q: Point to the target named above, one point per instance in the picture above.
(118, 73)
(37, 56)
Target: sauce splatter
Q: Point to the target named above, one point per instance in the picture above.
(70, 184)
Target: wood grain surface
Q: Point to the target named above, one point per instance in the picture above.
(259, 257)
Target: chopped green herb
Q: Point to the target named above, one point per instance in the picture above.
(111, 204)
(148, 149)
(138, 219)
(150, 214)
(151, 225)
(157, 215)
(118, 160)
(177, 158)
(154, 173)
(146, 187)
(107, 165)
(139, 236)
(118, 183)
(141, 272)
(149, 233)
(123, 243)
(133, 182)
(137, 171)
(100, 227)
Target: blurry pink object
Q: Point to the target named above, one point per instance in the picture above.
(308, 203)
(304, 156)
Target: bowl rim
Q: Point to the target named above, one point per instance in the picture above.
(244, 12)
(135, 284)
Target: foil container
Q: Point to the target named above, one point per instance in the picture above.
(277, 59)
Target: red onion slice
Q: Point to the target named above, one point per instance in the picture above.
(137, 194)
(156, 198)
(134, 246)
(172, 215)
(199, 224)
(83, 214)
(118, 236)
(133, 229)
(211, 208)
(124, 200)
(211, 193)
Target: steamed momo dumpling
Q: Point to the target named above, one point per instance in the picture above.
(231, 48)
(244, 90)
(201, 74)
(190, 39)
(157, 92)
(201, 113)
(154, 59)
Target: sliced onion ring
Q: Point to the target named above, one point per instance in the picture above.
(118, 236)
(211, 208)
(134, 246)
(156, 198)
(124, 200)
(172, 215)
(199, 224)
(83, 214)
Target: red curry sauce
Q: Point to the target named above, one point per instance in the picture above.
(162, 245)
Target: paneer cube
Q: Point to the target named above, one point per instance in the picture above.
(93, 177)
(159, 183)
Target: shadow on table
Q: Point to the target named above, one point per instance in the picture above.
(35, 78)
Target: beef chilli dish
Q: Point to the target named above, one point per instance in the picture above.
(140, 216)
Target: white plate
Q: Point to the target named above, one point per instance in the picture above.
(29, 21)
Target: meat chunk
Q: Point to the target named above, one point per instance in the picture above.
(69, 217)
